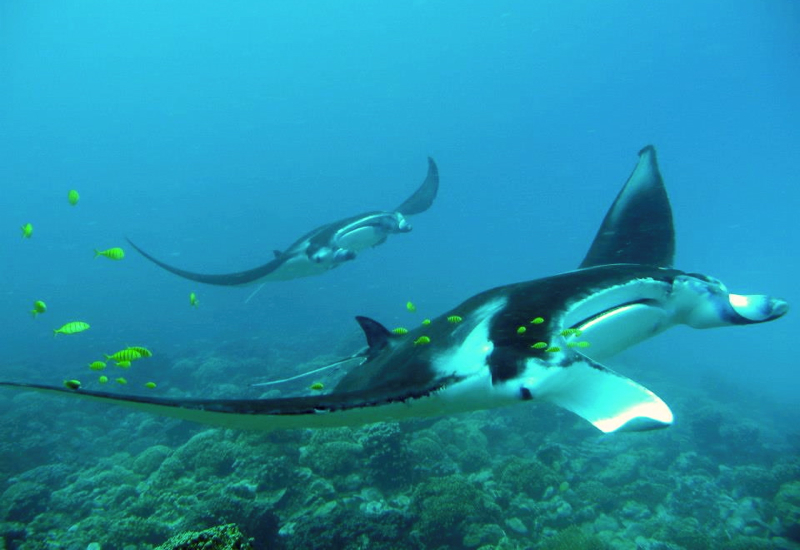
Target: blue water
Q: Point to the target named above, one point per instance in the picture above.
(217, 133)
(212, 133)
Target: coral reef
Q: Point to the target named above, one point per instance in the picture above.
(528, 476)
(445, 506)
(573, 538)
(517, 479)
(787, 508)
(223, 537)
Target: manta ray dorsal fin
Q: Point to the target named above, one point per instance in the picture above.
(423, 197)
(377, 334)
(638, 227)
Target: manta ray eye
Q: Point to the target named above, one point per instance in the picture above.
(319, 256)
(712, 284)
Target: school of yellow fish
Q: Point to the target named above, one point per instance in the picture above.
(123, 358)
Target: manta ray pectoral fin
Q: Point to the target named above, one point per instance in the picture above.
(638, 227)
(313, 411)
(423, 197)
(610, 401)
(173, 408)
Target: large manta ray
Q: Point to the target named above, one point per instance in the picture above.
(539, 340)
(327, 246)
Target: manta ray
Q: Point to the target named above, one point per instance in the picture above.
(327, 246)
(540, 340)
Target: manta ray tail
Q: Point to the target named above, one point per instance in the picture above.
(222, 279)
(610, 401)
(638, 227)
(422, 199)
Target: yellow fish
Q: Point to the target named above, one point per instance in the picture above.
(38, 307)
(521, 330)
(125, 355)
(193, 301)
(537, 321)
(581, 344)
(400, 330)
(539, 345)
(426, 322)
(103, 379)
(144, 352)
(97, 365)
(124, 364)
(317, 386)
(150, 385)
(27, 231)
(455, 319)
(422, 340)
(411, 307)
(72, 384)
(115, 253)
(121, 380)
(73, 197)
(72, 328)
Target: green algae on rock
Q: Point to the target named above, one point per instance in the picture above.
(22, 500)
(446, 506)
(573, 538)
(787, 507)
(222, 537)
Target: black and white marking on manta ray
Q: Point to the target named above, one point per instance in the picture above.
(327, 246)
(540, 340)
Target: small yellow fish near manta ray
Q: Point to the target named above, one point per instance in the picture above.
(327, 246)
(115, 253)
(475, 356)
(38, 307)
(74, 327)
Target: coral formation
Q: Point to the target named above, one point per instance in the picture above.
(445, 506)
(573, 538)
(223, 537)
(494, 480)
(528, 476)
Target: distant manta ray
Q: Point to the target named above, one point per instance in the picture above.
(327, 246)
(540, 340)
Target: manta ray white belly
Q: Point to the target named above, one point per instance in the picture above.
(362, 238)
(295, 266)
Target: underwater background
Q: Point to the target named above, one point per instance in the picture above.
(211, 133)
